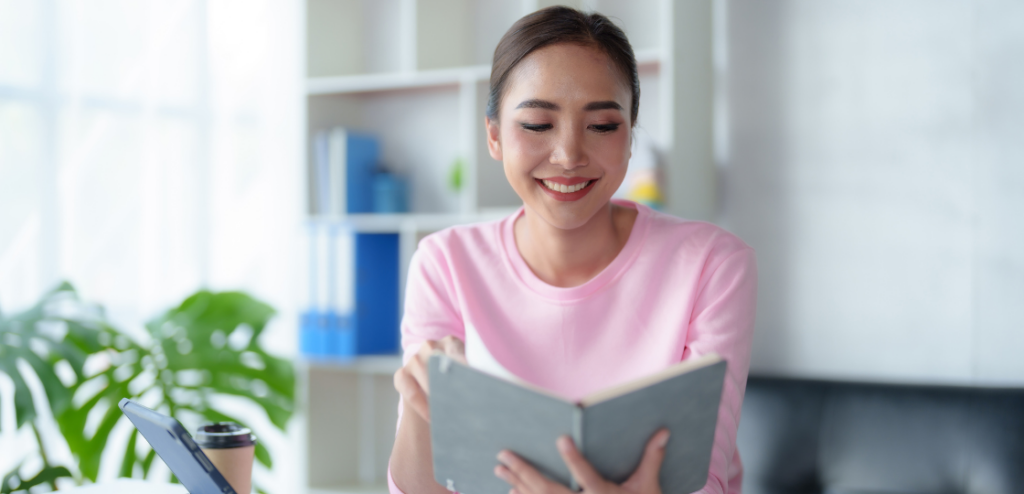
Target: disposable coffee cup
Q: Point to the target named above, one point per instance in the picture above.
(231, 448)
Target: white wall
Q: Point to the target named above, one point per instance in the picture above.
(875, 161)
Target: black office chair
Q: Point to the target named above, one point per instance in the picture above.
(803, 437)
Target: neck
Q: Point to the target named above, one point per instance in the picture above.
(567, 258)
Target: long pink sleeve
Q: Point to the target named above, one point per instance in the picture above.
(678, 289)
(723, 323)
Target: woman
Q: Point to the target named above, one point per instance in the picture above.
(574, 292)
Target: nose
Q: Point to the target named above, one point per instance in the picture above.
(568, 151)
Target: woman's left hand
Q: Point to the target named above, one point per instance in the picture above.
(525, 479)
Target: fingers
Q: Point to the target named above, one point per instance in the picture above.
(412, 393)
(585, 475)
(503, 473)
(413, 380)
(523, 477)
(650, 464)
(454, 348)
(417, 365)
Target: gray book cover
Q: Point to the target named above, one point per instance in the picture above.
(474, 415)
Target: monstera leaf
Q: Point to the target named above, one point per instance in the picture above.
(13, 482)
(205, 347)
(58, 333)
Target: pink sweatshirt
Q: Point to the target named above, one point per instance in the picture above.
(679, 289)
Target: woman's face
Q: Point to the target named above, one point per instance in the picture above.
(564, 132)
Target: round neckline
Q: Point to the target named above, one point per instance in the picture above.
(526, 276)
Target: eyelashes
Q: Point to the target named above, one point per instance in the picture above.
(599, 128)
(536, 127)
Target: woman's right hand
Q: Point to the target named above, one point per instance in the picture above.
(411, 380)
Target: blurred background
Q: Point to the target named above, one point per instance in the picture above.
(871, 152)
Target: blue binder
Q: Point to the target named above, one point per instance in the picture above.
(312, 334)
(362, 156)
(376, 317)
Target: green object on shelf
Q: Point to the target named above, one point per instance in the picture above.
(455, 176)
(206, 347)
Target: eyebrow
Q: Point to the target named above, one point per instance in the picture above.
(602, 105)
(538, 103)
(547, 105)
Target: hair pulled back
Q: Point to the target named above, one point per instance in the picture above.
(555, 25)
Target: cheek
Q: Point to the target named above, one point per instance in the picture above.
(613, 152)
(523, 152)
(619, 144)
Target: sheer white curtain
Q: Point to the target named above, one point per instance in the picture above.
(149, 148)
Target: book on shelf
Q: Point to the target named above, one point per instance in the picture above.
(474, 416)
(352, 301)
(344, 166)
(376, 317)
(326, 328)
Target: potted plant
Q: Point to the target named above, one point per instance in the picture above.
(205, 347)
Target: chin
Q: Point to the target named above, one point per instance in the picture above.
(568, 217)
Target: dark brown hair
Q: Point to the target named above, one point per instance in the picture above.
(561, 25)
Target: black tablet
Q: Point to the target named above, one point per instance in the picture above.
(175, 446)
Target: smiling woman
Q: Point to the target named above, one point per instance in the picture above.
(574, 292)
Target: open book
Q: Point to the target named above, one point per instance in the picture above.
(474, 415)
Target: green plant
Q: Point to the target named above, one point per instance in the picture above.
(205, 347)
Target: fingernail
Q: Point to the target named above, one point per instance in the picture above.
(664, 440)
(498, 472)
(564, 444)
(503, 457)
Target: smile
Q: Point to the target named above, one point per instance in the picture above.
(565, 188)
(565, 192)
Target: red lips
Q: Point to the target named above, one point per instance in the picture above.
(566, 196)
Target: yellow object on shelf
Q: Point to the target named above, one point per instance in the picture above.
(645, 190)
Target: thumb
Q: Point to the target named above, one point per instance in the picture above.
(650, 465)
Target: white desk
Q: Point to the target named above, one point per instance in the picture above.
(129, 486)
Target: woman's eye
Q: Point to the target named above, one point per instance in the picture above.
(536, 127)
(605, 128)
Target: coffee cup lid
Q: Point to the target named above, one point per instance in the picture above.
(222, 435)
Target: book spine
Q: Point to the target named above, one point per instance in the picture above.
(338, 171)
(322, 301)
(376, 293)
(342, 287)
(320, 175)
(577, 438)
(362, 153)
(310, 318)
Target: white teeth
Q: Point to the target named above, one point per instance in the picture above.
(565, 189)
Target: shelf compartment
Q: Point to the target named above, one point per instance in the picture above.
(419, 132)
(345, 37)
(352, 413)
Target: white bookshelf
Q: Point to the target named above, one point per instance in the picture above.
(415, 74)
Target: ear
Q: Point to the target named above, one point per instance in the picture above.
(493, 138)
